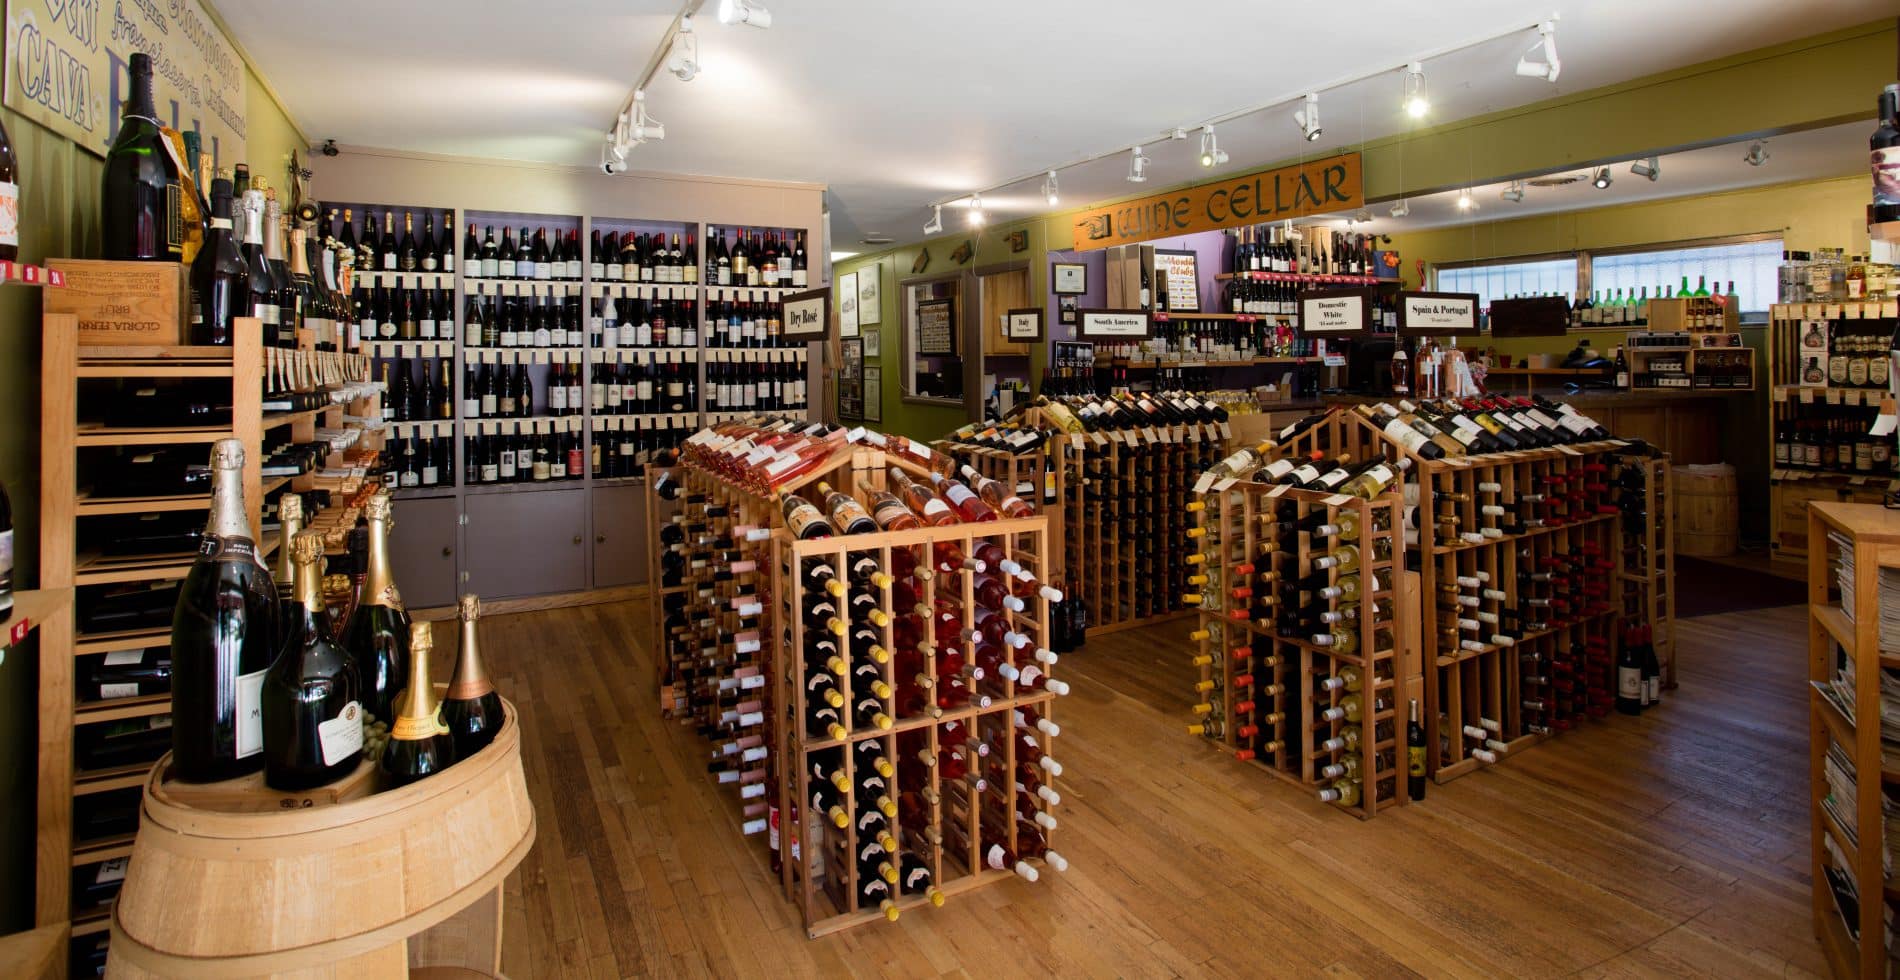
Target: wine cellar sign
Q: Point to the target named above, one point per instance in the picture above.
(1313, 187)
(66, 65)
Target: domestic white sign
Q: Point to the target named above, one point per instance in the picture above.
(1332, 314)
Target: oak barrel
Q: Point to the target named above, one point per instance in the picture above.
(237, 880)
(1708, 515)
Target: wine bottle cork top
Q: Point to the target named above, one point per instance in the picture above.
(227, 454)
(421, 638)
(307, 546)
(470, 606)
(377, 507)
(290, 507)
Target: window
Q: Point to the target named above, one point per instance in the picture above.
(1752, 266)
(1497, 280)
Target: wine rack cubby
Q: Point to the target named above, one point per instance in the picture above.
(865, 694)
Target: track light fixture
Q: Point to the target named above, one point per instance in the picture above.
(1401, 209)
(1416, 104)
(748, 12)
(935, 224)
(1137, 167)
(1602, 179)
(1548, 68)
(1465, 202)
(1513, 193)
(975, 205)
(1211, 153)
(1757, 153)
(1049, 189)
(1308, 117)
(1651, 168)
(683, 59)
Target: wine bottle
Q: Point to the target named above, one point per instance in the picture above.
(139, 204)
(313, 720)
(419, 744)
(224, 635)
(377, 636)
(219, 276)
(472, 710)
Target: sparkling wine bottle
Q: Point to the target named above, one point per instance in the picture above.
(312, 715)
(377, 635)
(419, 744)
(472, 710)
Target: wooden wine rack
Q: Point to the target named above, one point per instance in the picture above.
(1289, 688)
(1646, 562)
(815, 862)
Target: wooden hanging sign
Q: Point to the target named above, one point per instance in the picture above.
(1314, 187)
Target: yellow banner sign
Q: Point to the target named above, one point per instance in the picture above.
(1315, 187)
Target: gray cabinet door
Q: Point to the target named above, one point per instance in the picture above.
(422, 551)
(528, 543)
(620, 536)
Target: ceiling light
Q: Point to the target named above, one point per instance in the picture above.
(1549, 67)
(837, 256)
(1211, 153)
(935, 224)
(644, 127)
(1308, 117)
(1651, 168)
(1177, 133)
(1049, 189)
(749, 12)
(1757, 154)
(1401, 209)
(1137, 167)
(1416, 104)
(976, 210)
(1465, 203)
(1602, 179)
(683, 59)
(1513, 193)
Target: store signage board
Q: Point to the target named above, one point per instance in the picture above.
(807, 315)
(66, 65)
(1533, 316)
(937, 328)
(1336, 312)
(1114, 324)
(1023, 325)
(1315, 187)
(1425, 314)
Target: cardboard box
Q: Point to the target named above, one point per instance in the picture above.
(124, 303)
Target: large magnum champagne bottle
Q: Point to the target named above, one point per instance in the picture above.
(224, 636)
(378, 632)
(472, 709)
(313, 720)
(419, 746)
(139, 199)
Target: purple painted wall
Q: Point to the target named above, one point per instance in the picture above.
(1212, 250)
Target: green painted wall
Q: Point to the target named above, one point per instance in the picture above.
(59, 216)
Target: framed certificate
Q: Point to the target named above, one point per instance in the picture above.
(1069, 278)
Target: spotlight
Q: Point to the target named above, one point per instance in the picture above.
(1651, 168)
(1137, 167)
(749, 12)
(1602, 179)
(1513, 193)
(1549, 67)
(683, 59)
(1757, 153)
(1465, 203)
(645, 127)
(1401, 209)
(976, 211)
(1308, 117)
(935, 224)
(1049, 188)
(1416, 104)
(1211, 153)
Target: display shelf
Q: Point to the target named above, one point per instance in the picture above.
(31, 608)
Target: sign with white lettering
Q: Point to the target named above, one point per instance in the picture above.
(1423, 314)
(1114, 324)
(807, 315)
(1335, 312)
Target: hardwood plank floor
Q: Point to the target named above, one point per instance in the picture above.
(1675, 843)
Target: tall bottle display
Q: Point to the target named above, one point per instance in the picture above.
(377, 636)
(313, 718)
(219, 276)
(419, 746)
(139, 194)
(472, 709)
(224, 636)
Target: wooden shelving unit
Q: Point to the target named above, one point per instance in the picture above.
(1847, 753)
(1646, 562)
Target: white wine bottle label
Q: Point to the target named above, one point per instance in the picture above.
(250, 714)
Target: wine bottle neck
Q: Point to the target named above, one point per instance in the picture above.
(309, 577)
(228, 518)
(141, 104)
(470, 680)
(379, 584)
(418, 717)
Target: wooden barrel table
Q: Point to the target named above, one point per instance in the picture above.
(234, 879)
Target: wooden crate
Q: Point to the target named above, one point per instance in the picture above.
(124, 303)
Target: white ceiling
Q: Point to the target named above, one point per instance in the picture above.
(896, 104)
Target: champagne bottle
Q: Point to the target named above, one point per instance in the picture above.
(139, 203)
(219, 276)
(377, 636)
(419, 744)
(472, 710)
(313, 719)
(224, 635)
(290, 521)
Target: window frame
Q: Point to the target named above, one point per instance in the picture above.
(907, 319)
(1585, 257)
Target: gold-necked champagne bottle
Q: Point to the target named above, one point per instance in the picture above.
(313, 718)
(472, 709)
(377, 635)
(419, 744)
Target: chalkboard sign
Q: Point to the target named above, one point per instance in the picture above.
(1534, 316)
(1423, 314)
(1336, 312)
(807, 315)
(937, 327)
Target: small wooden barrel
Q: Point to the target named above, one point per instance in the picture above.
(236, 880)
(1708, 515)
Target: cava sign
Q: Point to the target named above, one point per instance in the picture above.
(1423, 314)
(1314, 187)
(807, 315)
(1336, 312)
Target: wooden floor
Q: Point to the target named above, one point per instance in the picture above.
(1667, 845)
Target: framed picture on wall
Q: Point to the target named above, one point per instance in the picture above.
(873, 392)
(870, 296)
(873, 342)
(1065, 310)
(937, 327)
(1069, 278)
(848, 305)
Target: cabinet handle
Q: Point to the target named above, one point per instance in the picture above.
(577, 539)
(446, 552)
(600, 539)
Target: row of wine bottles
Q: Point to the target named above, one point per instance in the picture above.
(262, 678)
